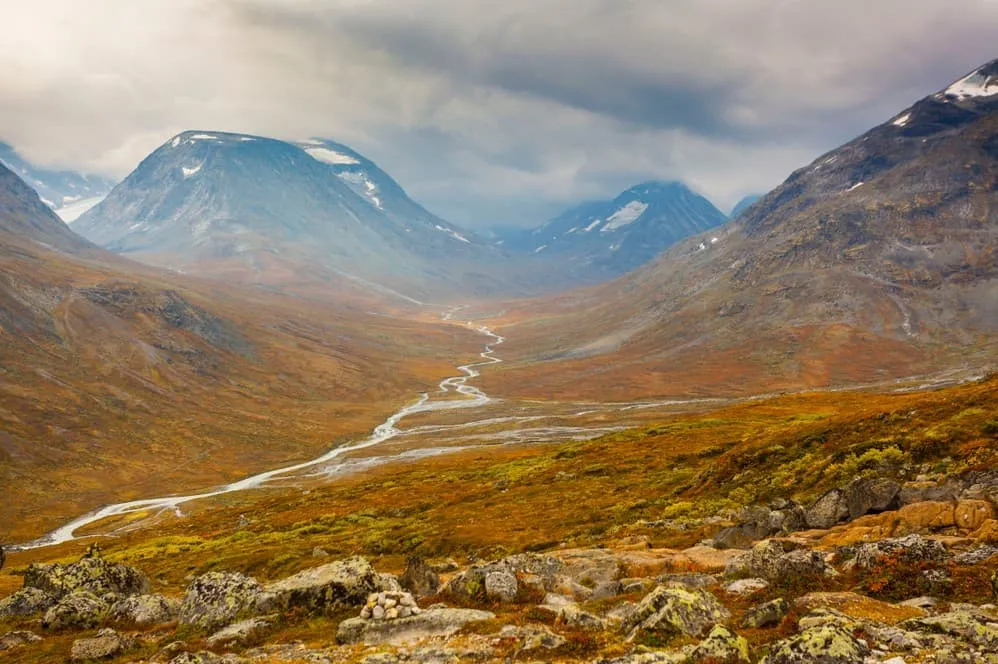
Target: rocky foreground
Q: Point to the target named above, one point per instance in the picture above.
(871, 572)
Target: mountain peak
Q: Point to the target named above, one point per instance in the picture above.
(980, 83)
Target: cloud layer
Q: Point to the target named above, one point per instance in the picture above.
(487, 112)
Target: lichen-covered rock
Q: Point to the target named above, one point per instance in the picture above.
(778, 560)
(145, 610)
(501, 585)
(766, 614)
(532, 637)
(108, 643)
(972, 627)
(746, 586)
(216, 599)
(831, 508)
(79, 610)
(330, 588)
(910, 549)
(668, 611)
(657, 657)
(824, 644)
(241, 633)
(433, 622)
(90, 574)
(470, 584)
(722, 646)
(872, 495)
(26, 602)
(17, 639)
(572, 616)
(419, 578)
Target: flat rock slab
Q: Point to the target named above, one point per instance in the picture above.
(433, 622)
(859, 607)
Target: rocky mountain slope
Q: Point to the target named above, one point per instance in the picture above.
(259, 209)
(875, 261)
(744, 204)
(601, 239)
(67, 192)
(106, 367)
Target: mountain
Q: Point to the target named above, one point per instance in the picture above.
(744, 204)
(879, 260)
(256, 208)
(67, 192)
(24, 217)
(599, 239)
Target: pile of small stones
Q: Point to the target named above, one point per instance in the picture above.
(389, 606)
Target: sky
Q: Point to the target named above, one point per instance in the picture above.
(489, 113)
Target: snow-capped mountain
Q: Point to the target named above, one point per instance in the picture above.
(25, 218)
(69, 193)
(612, 237)
(206, 198)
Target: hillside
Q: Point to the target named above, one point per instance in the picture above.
(67, 192)
(874, 262)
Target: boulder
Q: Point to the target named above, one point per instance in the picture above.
(419, 578)
(216, 599)
(17, 639)
(831, 508)
(777, 560)
(241, 633)
(868, 496)
(79, 610)
(330, 588)
(26, 602)
(909, 549)
(532, 637)
(107, 644)
(500, 585)
(470, 585)
(722, 646)
(573, 616)
(969, 626)
(766, 614)
(669, 611)
(91, 574)
(432, 622)
(145, 610)
(746, 586)
(822, 644)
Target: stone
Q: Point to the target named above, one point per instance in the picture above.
(319, 552)
(972, 627)
(419, 578)
(976, 556)
(831, 508)
(500, 586)
(746, 586)
(17, 639)
(469, 586)
(330, 588)
(573, 616)
(108, 643)
(670, 611)
(241, 633)
(217, 599)
(90, 574)
(78, 610)
(776, 560)
(909, 549)
(871, 496)
(766, 614)
(145, 610)
(432, 622)
(708, 559)
(532, 637)
(26, 602)
(722, 646)
(824, 644)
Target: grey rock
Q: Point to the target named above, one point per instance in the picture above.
(976, 555)
(973, 627)
(746, 586)
(470, 584)
(432, 622)
(26, 602)
(722, 646)
(828, 510)
(17, 639)
(216, 599)
(908, 549)
(870, 496)
(532, 637)
(694, 580)
(79, 610)
(775, 560)
(90, 574)
(330, 588)
(108, 643)
(766, 614)
(825, 644)
(145, 610)
(669, 611)
(501, 585)
(241, 633)
(575, 617)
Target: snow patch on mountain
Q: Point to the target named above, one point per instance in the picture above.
(974, 85)
(454, 234)
(902, 120)
(188, 172)
(328, 156)
(71, 212)
(624, 216)
(592, 225)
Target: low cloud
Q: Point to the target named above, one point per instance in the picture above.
(486, 112)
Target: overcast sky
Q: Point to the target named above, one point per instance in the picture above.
(487, 112)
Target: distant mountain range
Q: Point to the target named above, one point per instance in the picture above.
(69, 193)
(257, 208)
(744, 204)
(602, 239)
(876, 261)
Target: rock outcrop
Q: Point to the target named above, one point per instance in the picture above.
(107, 644)
(330, 588)
(670, 611)
(78, 610)
(432, 622)
(217, 599)
(145, 610)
